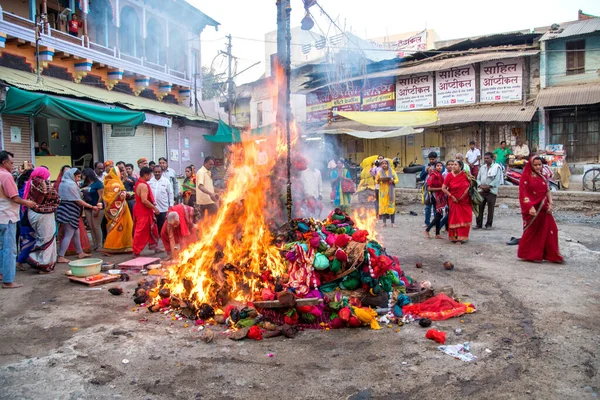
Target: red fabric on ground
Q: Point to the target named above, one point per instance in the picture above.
(437, 308)
(436, 335)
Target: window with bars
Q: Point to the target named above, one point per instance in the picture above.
(575, 57)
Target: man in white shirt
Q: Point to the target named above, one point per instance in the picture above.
(163, 195)
(313, 188)
(488, 180)
(473, 158)
(206, 198)
(521, 150)
(170, 174)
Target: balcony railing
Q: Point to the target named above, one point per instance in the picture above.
(22, 28)
(104, 50)
(65, 37)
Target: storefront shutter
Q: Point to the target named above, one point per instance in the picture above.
(160, 143)
(129, 148)
(22, 150)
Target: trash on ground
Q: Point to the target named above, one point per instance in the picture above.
(459, 351)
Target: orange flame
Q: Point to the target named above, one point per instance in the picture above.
(366, 219)
(236, 246)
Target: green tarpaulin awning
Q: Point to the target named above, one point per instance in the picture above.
(225, 134)
(22, 102)
(228, 134)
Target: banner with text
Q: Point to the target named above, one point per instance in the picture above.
(414, 92)
(346, 99)
(455, 86)
(379, 95)
(408, 46)
(318, 105)
(501, 80)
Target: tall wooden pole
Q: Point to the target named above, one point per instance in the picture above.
(283, 60)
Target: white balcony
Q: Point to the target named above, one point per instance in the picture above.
(22, 28)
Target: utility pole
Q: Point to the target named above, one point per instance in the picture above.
(230, 92)
(284, 111)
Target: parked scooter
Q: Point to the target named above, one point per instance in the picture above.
(512, 176)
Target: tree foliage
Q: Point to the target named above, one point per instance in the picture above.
(213, 84)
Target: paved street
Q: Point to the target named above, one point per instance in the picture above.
(535, 335)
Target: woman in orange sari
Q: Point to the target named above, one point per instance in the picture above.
(119, 223)
(456, 187)
(83, 236)
(540, 233)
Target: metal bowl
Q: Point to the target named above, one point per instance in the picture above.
(86, 267)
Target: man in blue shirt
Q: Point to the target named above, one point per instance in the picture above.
(433, 157)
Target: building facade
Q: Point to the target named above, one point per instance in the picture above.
(113, 54)
(569, 101)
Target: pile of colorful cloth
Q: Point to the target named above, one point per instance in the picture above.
(334, 253)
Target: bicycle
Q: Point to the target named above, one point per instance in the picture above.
(591, 180)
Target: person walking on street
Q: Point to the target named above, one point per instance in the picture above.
(92, 193)
(489, 179)
(460, 215)
(540, 233)
(9, 216)
(502, 153)
(69, 213)
(473, 158)
(171, 175)
(312, 181)
(163, 195)
(375, 168)
(144, 211)
(439, 201)
(387, 180)
(433, 159)
(206, 199)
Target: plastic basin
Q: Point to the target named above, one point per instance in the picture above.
(86, 267)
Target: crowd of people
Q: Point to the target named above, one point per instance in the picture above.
(126, 210)
(467, 185)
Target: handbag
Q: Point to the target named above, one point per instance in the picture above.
(425, 195)
(476, 197)
(348, 186)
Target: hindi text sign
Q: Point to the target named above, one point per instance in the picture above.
(455, 86)
(379, 94)
(501, 80)
(414, 92)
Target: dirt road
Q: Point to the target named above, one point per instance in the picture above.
(536, 335)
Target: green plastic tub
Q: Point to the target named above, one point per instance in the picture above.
(86, 267)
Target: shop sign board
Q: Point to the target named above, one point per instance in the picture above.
(414, 92)
(379, 94)
(501, 80)
(455, 86)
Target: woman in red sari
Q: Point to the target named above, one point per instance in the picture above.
(83, 236)
(540, 233)
(456, 187)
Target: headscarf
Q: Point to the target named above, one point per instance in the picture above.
(388, 174)
(68, 190)
(142, 160)
(532, 192)
(109, 164)
(39, 172)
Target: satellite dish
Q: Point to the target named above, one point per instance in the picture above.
(64, 14)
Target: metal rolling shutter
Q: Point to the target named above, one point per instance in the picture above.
(129, 149)
(22, 151)
(160, 143)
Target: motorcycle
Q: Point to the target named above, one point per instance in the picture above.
(513, 175)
